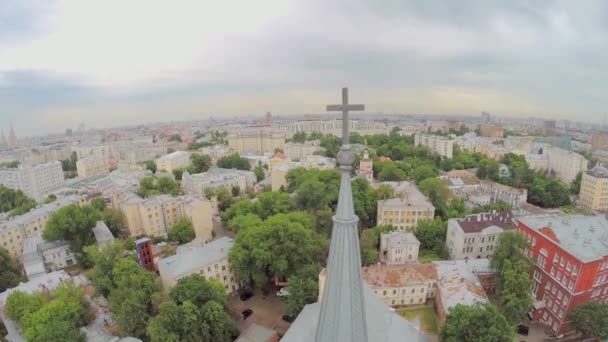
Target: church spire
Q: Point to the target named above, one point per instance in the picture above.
(342, 316)
(3, 141)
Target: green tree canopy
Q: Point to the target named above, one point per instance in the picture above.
(222, 327)
(200, 163)
(591, 318)
(182, 231)
(75, 225)
(152, 186)
(103, 258)
(151, 165)
(9, 273)
(370, 241)
(199, 291)
(259, 173)
(175, 137)
(476, 323)
(431, 234)
(423, 172)
(234, 161)
(391, 172)
(14, 201)
(303, 289)
(514, 285)
(511, 246)
(178, 323)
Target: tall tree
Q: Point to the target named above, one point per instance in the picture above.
(431, 233)
(151, 166)
(476, 323)
(200, 163)
(179, 323)
(511, 246)
(75, 225)
(199, 291)
(9, 273)
(370, 241)
(14, 201)
(234, 161)
(259, 173)
(182, 231)
(591, 318)
(104, 258)
(222, 327)
(514, 287)
(303, 289)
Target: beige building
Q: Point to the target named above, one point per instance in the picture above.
(599, 141)
(209, 261)
(406, 209)
(565, 165)
(92, 167)
(299, 151)
(154, 216)
(397, 285)
(14, 231)
(399, 248)
(256, 141)
(278, 176)
(216, 178)
(278, 159)
(437, 144)
(594, 190)
(491, 131)
(173, 161)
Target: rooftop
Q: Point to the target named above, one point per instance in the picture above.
(102, 232)
(193, 259)
(460, 174)
(584, 237)
(175, 155)
(399, 238)
(406, 194)
(256, 333)
(476, 223)
(598, 172)
(458, 282)
(399, 275)
(41, 210)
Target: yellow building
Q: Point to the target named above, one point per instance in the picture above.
(92, 167)
(154, 216)
(172, 161)
(408, 207)
(256, 141)
(594, 190)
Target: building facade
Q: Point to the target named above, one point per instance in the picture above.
(599, 141)
(408, 208)
(565, 165)
(31, 224)
(210, 261)
(299, 151)
(437, 144)
(594, 190)
(571, 265)
(215, 178)
(173, 161)
(92, 167)
(256, 141)
(278, 159)
(499, 192)
(36, 181)
(399, 248)
(366, 167)
(491, 131)
(475, 236)
(402, 285)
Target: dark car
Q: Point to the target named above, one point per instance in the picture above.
(246, 295)
(247, 313)
(287, 319)
(523, 330)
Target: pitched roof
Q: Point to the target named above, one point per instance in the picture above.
(399, 275)
(458, 284)
(476, 223)
(194, 258)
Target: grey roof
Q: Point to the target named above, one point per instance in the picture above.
(598, 172)
(193, 259)
(383, 324)
(41, 210)
(399, 238)
(584, 237)
(256, 333)
(102, 232)
(458, 283)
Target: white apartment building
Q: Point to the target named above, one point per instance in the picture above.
(92, 167)
(216, 178)
(476, 235)
(537, 162)
(320, 126)
(105, 152)
(398, 248)
(216, 151)
(14, 231)
(256, 141)
(209, 261)
(300, 151)
(564, 164)
(437, 144)
(36, 181)
(173, 161)
(499, 192)
(406, 209)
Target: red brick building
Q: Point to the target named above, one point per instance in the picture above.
(571, 264)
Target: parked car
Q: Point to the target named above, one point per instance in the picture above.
(287, 319)
(247, 313)
(523, 330)
(246, 295)
(283, 292)
(174, 243)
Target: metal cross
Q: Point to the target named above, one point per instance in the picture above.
(344, 108)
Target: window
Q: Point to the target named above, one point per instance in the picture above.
(394, 292)
(562, 262)
(545, 315)
(575, 270)
(555, 258)
(569, 266)
(571, 285)
(552, 271)
(565, 301)
(413, 290)
(384, 293)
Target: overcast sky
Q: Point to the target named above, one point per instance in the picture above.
(114, 62)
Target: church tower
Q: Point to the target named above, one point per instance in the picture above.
(366, 167)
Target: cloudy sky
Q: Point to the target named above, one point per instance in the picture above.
(114, 62)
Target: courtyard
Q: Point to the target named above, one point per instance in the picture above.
(426, 315)
(267, 311)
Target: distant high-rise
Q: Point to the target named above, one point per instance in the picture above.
(12, 138)
(486, 117)
(68, 132)
(3, 141)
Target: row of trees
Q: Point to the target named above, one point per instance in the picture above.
(14, 201)
(234, 161)
(200, 163)
(153, 186)
(54, 317)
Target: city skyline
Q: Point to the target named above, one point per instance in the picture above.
(62, 64)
